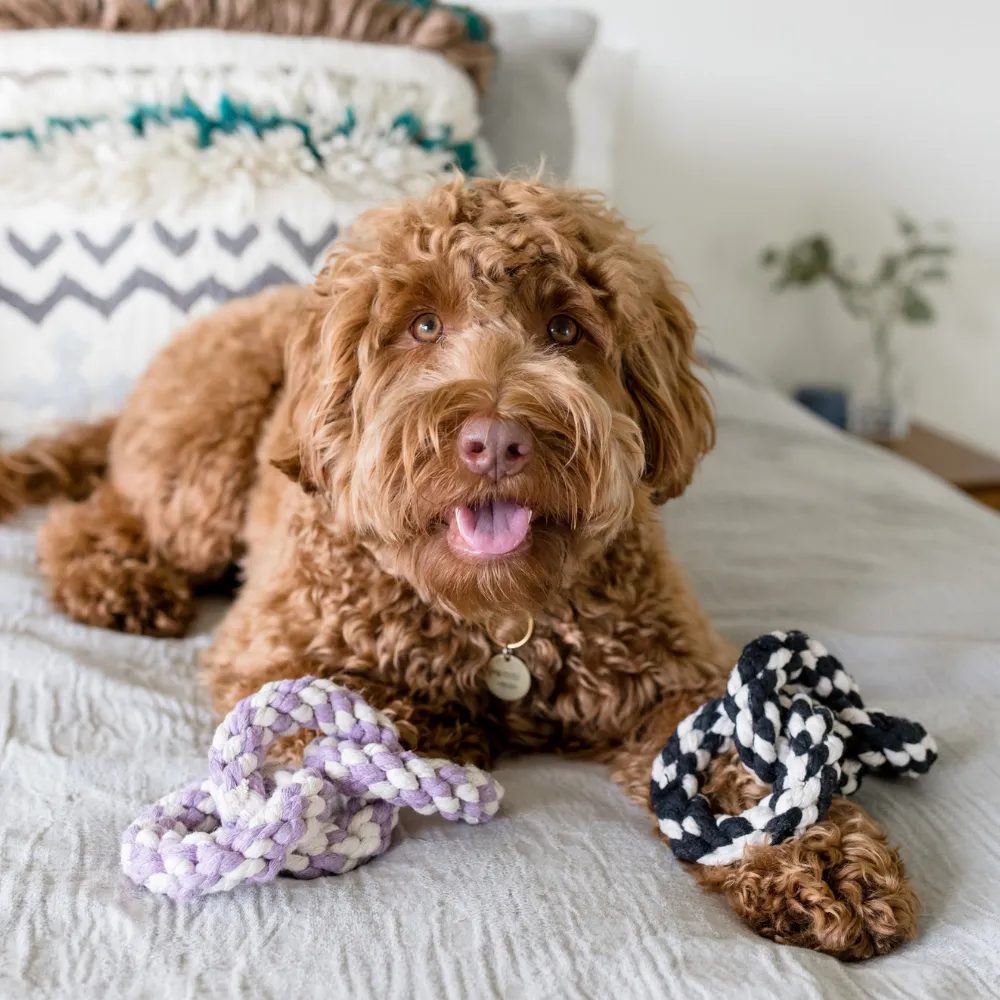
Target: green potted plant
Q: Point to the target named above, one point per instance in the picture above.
(893, 294)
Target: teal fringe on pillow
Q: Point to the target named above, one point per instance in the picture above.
(231, 117)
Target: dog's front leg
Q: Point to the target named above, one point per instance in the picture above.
(276, 631)
(839, 889)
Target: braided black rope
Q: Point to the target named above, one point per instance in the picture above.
(798, 723)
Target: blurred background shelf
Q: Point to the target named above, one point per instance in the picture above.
(972, 471)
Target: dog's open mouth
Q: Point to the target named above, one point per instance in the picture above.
(488, 530)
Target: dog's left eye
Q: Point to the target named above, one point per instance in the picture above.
(564, 330)
(427, 328)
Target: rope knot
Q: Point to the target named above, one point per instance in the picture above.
(251, 820)
(797, 721)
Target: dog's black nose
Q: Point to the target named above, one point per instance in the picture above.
(494, 448)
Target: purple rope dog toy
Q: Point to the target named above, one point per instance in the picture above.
(250, 821)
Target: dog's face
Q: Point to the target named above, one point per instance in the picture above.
(498, 375)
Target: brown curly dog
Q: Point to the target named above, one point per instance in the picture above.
(467, 421)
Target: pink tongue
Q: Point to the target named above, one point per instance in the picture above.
(493, 529)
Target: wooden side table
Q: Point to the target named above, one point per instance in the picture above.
(972, 471)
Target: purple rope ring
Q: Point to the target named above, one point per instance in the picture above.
(250, 821)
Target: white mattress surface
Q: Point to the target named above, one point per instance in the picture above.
(567, 893)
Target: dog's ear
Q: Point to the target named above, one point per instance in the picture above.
(289, 450)
(674, 410)
(289, 461)
(321, 369)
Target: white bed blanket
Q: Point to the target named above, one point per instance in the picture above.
(567, 893)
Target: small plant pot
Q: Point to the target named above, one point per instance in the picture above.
(880, 421)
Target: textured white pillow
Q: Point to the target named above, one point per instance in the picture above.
(145, 179)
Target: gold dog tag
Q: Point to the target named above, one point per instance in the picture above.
(507, 677)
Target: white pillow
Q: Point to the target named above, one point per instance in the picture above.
(145, 179)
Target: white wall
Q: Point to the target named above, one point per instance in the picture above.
(752, 121)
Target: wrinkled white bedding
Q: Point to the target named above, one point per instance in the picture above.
(566, 894)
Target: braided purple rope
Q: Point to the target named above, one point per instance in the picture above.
(250, 821)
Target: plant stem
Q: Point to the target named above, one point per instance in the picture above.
(848, 291)
(882, 338)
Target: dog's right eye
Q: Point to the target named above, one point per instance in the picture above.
(564, 330)
(426, 328)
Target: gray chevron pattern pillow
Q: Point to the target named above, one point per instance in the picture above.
(92, 310)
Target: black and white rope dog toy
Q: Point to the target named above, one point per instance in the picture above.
(798, 722)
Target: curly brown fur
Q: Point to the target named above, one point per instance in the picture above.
(313, 431)
(436, 28)
(190, 481)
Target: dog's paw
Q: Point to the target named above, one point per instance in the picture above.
(840, 888)
(138, 596)
(103, 572)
